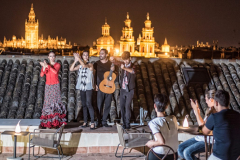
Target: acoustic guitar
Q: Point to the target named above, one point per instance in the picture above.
(107, 85)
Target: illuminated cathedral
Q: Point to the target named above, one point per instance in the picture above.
(145, 42)
(144, 47)
(32, 41)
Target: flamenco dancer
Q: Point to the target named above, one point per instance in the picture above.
(54, 112)
(85, 85)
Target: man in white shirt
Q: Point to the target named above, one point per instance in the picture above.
(164, 129)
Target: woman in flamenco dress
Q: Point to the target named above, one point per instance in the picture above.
(54, 112)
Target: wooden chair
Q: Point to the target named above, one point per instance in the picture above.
(169, 149)
(208, 147)
(131, 140)
(49, 138)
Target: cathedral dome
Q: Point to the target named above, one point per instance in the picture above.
(105, 40)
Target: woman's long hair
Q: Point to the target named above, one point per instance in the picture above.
(81, 54)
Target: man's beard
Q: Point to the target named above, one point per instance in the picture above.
(102, 57)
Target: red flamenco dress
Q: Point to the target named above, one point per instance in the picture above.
(54, 112)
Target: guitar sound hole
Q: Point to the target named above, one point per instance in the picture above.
(107, 86)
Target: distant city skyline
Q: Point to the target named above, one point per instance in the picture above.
(181, 22)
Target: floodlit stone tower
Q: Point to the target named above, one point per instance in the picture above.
(165, 46)
(147, 41)
(127, 42)
(31, 30)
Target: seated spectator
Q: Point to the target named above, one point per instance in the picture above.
(225, 125)
(191, 147)
(164, 129)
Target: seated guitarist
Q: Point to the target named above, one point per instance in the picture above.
(127, 83)
(101, 66)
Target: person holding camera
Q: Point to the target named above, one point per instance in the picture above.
(53, 112)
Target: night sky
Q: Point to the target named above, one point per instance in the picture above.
(183, 22)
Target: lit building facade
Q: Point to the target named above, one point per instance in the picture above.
(127, 42)
(32, 41)
(145, 46)
(105, 41)
(147, 41)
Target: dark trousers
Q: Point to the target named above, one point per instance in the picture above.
(86, 98)
(152, 156)
(125, 104)
(103, 98)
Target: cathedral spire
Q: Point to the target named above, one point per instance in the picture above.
(31, 15)
(165, 41)
(147, 16)
(127, 21)
(105, 20)
(148, 22)
(105, 28)
(165, 46)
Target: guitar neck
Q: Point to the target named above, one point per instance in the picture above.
(110, 74)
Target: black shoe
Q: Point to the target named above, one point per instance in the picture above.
(84, 125)
(127, 127)
(124, 127)
(99, 125)
(106, 125)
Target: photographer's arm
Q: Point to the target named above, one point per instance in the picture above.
(196, 109)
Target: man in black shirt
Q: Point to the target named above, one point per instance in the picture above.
(101, 66)
(225, 125)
